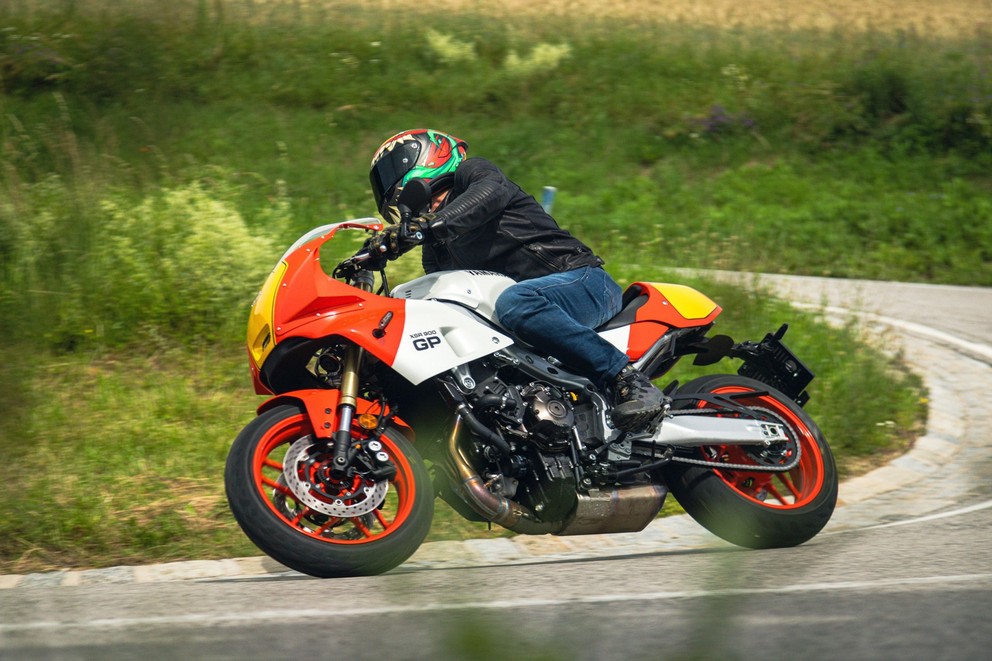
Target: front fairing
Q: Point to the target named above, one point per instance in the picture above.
(298, 290)
(299, 302)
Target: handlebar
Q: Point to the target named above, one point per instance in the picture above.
(414, 198)
(349, 268)
(368, 259)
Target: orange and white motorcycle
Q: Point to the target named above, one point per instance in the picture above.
(382, 400)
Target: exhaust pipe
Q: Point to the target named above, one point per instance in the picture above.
(621, 509)
(498, 509)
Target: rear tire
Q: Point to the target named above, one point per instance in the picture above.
(752, 508)
(378, 537)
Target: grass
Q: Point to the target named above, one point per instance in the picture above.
(143, 197)
(139, 477)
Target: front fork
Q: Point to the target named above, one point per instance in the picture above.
(347, 405)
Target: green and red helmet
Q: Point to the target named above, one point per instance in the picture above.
(417, 154)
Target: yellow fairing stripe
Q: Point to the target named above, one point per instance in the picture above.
(261, 324)
(687, 301)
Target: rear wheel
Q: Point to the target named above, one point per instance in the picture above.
(290, 503)
(742, 503)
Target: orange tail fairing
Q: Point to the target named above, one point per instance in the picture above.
(666, 306)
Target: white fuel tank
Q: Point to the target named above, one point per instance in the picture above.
(475, 290)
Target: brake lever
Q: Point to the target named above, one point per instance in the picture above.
(347, 268)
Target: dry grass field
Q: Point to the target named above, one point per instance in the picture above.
(933, 18)
(925, 17)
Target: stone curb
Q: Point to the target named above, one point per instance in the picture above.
(938, 447)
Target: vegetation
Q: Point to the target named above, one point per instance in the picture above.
(156, 158)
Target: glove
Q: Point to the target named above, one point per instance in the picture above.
(427, 223)
(393, 242)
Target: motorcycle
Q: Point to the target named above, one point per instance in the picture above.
(382, 399)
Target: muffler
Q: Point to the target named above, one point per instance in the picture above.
(622, 509)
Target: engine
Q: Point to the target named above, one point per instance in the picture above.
(537, 458)
(536, 412)
(537, 420)
(548, 416)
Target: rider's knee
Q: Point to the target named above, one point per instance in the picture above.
(512, 306)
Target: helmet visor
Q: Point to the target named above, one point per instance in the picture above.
(390, 169)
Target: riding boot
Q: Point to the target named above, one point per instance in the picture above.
(635, 399)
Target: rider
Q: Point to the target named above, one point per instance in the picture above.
(479, 219)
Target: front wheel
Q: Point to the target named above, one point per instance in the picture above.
(289, 502)
(746, 505)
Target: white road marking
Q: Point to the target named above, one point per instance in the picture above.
(201, 620)
(933, 517)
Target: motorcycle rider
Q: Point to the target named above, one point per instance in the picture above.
(479, 219)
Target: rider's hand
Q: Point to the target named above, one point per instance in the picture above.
(393, 241)
(386, 243)
(422, 224)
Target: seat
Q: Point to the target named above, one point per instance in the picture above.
(633, 299)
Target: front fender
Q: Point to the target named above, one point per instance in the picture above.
(321, 406)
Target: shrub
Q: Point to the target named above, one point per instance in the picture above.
(181, 262)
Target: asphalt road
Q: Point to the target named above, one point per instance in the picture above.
(903, 570)
(919, 590)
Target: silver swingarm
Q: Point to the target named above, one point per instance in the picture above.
(697, 430)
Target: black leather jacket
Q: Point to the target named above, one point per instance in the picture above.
(488, 223)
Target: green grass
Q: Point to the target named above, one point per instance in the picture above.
(155, 160)
(804, 152)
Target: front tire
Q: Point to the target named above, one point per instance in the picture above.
(313, 522)
(753, 508)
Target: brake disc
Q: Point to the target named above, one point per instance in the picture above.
(364, 501)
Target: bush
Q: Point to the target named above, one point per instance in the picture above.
(183, 263)
(180, 264)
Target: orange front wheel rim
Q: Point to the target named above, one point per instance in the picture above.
(308, 497)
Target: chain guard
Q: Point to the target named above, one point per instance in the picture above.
(297, 461)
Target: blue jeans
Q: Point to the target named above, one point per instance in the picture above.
(557, 313)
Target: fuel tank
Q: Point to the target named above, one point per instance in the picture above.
(475, 290)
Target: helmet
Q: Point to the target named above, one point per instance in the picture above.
(417, 154)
